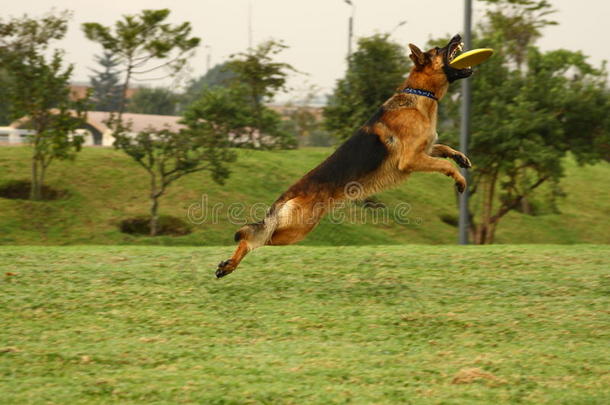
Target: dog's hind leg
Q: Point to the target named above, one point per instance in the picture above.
(444, 151)
(248, 238)
(231, 264)
(286, 223)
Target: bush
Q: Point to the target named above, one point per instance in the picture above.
(20, 190)
(167, 225)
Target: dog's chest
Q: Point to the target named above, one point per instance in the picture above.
(432, 135)
(432, 138)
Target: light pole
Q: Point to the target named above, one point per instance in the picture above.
(350, 29)
(465, 127)
(208, 58)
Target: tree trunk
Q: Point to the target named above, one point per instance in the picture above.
(484, 230)
(156, 191)
(526, 207)
(154, 214)
(490, 231)
(36, 181)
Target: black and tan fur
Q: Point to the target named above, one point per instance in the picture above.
(399, 139)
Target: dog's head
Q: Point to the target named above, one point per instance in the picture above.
(435, 62)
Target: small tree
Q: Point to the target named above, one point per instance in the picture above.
(38, 91)
(145, 43)
(259, 78)
(156, 100)
(374, 71)
(169, 155)
(107, 91)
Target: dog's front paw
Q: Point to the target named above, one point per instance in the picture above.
(460, 185)
(462, 161)
(225, 268)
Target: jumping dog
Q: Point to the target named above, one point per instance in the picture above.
(399, 139)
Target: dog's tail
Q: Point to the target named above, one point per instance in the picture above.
(256, 234)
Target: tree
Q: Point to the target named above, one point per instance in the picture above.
(218, 75)
(530, 109)
(259, 78)
(38, 91)
(304, 120)
(156, 100)
(144, 43)
(107, 91)
(374, 71)
(169, 155)
(222, 111)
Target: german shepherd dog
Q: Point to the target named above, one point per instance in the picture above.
(399, 139)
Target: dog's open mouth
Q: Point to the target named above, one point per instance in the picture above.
(452, 50)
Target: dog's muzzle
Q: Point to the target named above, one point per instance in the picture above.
(450, 52)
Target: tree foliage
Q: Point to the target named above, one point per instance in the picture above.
(374, 71)
(155, 100)
(37, 88)
(105, 83)
(218, 75)
(257, 79)
(304, 120)
(168, 155)
(144, 44)
(530, 109)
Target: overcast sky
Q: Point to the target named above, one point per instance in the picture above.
(315, 30)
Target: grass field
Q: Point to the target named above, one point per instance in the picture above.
(106, 187)
(295, 325)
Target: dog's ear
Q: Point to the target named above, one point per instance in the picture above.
(417, 56)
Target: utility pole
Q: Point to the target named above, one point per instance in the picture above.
(350, 29)
(208, 58)
(465, 126)
(250, 25)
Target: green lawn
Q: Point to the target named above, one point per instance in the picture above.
(360, 324)
(106, 187)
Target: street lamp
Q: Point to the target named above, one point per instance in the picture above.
(465, 127)
(350, 31)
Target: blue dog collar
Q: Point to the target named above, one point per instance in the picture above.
(420, 92)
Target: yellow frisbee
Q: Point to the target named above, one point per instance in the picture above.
(471, 58)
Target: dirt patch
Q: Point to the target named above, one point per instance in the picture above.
(470, 375)
(167, 225)
(450, 219)
(20, 190)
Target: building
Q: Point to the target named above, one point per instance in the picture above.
(95, 130)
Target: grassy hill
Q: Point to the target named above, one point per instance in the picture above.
(305, 325)
(106, 187)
